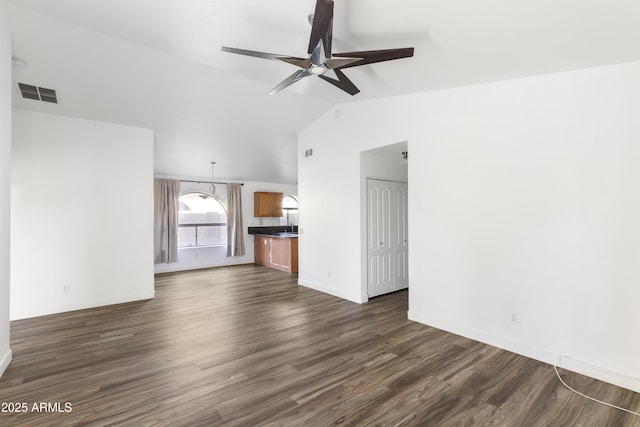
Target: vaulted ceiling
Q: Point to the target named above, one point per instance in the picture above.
(158, 63)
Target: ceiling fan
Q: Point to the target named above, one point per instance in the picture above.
(321, 60)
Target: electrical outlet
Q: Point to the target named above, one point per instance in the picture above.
(65, 289)
(329, 275)
(515, 319)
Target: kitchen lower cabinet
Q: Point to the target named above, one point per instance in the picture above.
(276, 252)
(284, 254)
(262, 250)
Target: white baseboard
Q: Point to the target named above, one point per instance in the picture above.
(354, 298)
(4, 362)
(81, 305)
(171, 268)
(599, 373)
(542, 355)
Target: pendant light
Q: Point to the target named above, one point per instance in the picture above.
(212, 187)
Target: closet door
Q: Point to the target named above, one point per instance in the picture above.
(401, 237)
(379, 253)
(386, 237)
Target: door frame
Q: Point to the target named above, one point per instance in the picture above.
(392, 155)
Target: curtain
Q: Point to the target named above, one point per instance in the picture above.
(166, 195)
(235, 232)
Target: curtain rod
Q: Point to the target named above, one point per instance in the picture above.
(209, 182)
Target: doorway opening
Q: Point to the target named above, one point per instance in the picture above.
(384, 214)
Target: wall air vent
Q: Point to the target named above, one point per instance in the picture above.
(38, 93)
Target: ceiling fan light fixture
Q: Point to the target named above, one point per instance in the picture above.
(318, 70)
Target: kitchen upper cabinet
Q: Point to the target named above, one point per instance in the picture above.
(266, 204)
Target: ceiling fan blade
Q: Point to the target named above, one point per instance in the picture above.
(253, 53)
(298, 75)
(373, 56)
(343, 82)
(322, 27)
(317, 56)
(335, 62)
(298, 62)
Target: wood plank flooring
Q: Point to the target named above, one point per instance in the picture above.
(246, 346)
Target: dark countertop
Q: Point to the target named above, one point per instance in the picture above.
(280, 231)
(281, 235)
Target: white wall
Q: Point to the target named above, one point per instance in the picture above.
(331, 185)
(5, 188)
(329, 248)
(82, 214)
(194, 258)
(523, 199)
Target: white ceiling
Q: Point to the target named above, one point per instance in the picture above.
(158, 64)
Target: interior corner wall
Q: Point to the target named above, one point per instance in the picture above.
(329, 185)
(523, 202)
(81, 214)
(5, 189)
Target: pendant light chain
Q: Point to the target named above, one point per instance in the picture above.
(212, 187)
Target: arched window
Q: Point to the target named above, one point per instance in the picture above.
(290, 202)
(202, 221)
(290, 206)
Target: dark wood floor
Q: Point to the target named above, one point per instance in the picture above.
(245, 346)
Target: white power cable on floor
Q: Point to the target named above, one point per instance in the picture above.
(591, 398)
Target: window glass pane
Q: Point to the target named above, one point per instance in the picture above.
(292, 218)
(186, 236)
(212, 235)
(289, 202)
(199, 208)
(290, 206)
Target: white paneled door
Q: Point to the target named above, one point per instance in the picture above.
(387, 258)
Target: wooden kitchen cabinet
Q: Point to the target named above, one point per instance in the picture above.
(262, 253)
(278, 253)
(266, 204)
(284, 254)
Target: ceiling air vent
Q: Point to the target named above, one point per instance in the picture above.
(38, 93)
